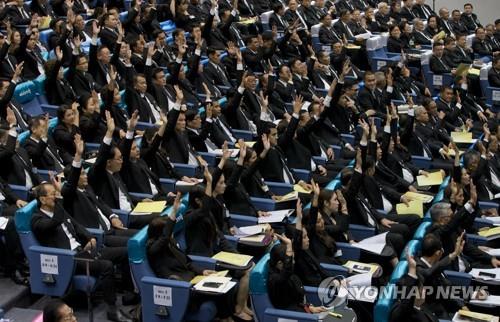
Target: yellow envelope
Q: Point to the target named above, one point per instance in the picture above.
(416, 207)
(232, 258)
(489, 232)
(299, 189)
(150, 207)
(419, 196)
(475, 315)
(253, 239)
(433, 179)
(441, 34)
(462, 137)
(351, 46)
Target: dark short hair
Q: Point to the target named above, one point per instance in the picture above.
(430, 245)
(51, 310)
(468, 4)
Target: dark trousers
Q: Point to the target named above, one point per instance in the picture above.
(11, 251)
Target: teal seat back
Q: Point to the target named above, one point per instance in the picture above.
(384, 303)
(25, 92)
(413, 247)
(137, 246)
(399, 271)
(23, 216)
(40, 84)
(422, 230)
(333, 185)
(258, 276)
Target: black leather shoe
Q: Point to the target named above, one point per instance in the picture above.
(118, 316)
(19, 279)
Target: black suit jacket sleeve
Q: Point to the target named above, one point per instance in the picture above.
(98, 170)
(5, 99)
(286, 138)
(68, 190)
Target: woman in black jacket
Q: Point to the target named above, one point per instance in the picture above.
(64, 132)
(168, 261)
(92, 125)
(394, 42)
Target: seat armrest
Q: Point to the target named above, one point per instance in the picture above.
(242, 134)
(98, 234)
(348, 251)
(168, 184)
(421, 161)
(203, 262)
(187, 170)
(488, 205)
(335, 269)
(302, 174)
(279, 188)
(242, 220)
(349, 138)
(20, 191)
(123, 215)
(360, 232)
(458, 278)
(144, 125)
(141, 195)
(211, 158)
(477, 240)
(319, 160)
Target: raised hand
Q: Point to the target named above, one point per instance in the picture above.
(297, 104)
(18, 71)
(132, 122)
(179, 95)
(110, 123)
(11, 117)
(265, 142)
(79, 145)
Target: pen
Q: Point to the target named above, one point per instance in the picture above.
(335, 315)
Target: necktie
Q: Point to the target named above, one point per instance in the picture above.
(426, 12)
(11, 65)
(121, 186)
(57, 162)
(349, 32)
(154, 112)
(93, 207)
(369, 217)
(286, 170)
(225, 81)
(23, 12)
(20, 120)
(225, 130)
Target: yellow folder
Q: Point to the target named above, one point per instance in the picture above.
(150, 207)
(416, 207)
(475, 315)
(233, 259)
(433, 179)
(489, 232)
(299, 189)
(462, 137)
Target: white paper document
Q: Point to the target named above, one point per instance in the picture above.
(249, 230)
(494, 252)
(487, 274)
(215, 284)
(491, 300)
(3, 222)
(275, 216)
(373, 244)
(181, 183)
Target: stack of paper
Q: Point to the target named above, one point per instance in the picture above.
(415, 207)
(249, 230)
(181, 183)
(247, 143)
(487, 274)
(233, 259)
(361, 268)
(433, 179)
(373, 244)
(494, 220)
(356, 281)
(425, 198)
(294, 195)
(494, 252)
(275, 216)
(3, 222)
(491, 300)
(467, 316)
(490, 234)
(143, 208)
(214, 284)
(219, 152)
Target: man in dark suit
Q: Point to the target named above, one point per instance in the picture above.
(422, 10)
(342, 26)
(444, 22)
(109, 34)
(414, 308)
(457, 24)
(214, 71)
(162, 92)
(482, 46)
(407, 11)
(19, 13)
(138, 99)
(470, 19)
(277, 18)
(104, 175)
(284, 87)
(327, 34)
(494, 73)
(292, 14)
(310, 13)
(198, 131)
(437, 63)
(370, 98)
(421, 36)
(42, 148)
(345, 5)
(430, 267)
(78, 76)
(33, 60)
(53, 227)
(7, 101)
(16, 167)
(455, 116)
(164, 54)
(253, 56)
(463, 54)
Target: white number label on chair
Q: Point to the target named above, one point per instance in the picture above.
(381, 63)
(162, 295)
(286, 320)
(49, 264)
(437, 80)
(496, 96)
